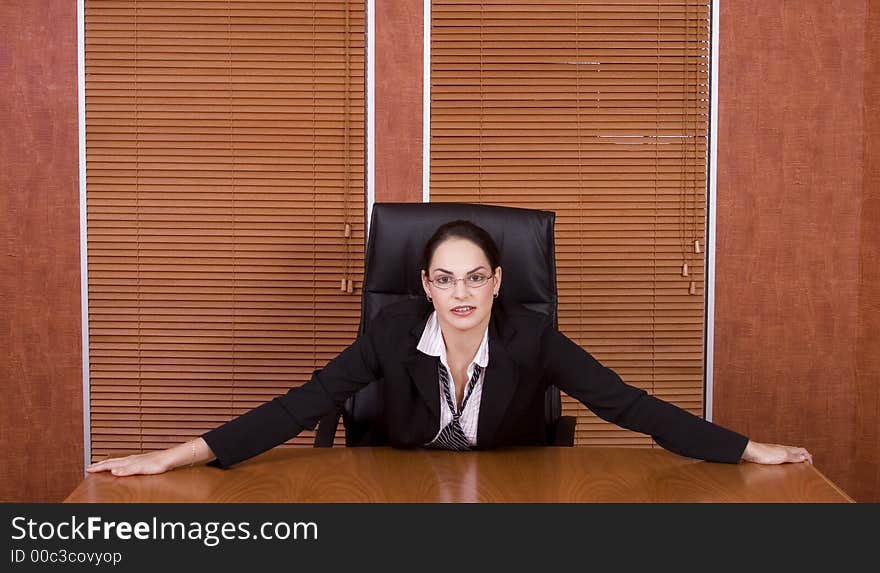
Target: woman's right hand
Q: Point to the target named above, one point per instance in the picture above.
(186, 454)
(137, 464)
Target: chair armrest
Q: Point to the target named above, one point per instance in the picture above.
(562, 432)
(326, 431)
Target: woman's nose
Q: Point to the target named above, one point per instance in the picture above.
(459, 289)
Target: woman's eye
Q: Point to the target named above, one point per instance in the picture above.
(442, 280)
(476, 279)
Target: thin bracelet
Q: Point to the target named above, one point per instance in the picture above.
(193, 460)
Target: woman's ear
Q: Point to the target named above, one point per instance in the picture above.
(425, 284)
(497, 280)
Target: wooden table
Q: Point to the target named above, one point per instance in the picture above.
(584, 474)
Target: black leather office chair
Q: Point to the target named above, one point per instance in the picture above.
(398, 233)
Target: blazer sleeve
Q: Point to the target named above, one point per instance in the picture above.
(577, 373)
(285, 416)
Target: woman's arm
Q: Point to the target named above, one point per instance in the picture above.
(187, 454)
(268, 424)
(577, 373)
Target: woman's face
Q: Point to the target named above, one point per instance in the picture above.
(464, 305)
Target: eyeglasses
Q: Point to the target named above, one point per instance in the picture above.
(473, 280)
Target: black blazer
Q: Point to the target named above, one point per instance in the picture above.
(526, 354)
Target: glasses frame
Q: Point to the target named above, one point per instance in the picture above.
(455, 282)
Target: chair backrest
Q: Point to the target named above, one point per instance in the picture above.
(398, 234)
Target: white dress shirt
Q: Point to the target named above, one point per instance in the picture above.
(432, 344)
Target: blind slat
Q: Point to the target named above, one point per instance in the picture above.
(598, 111)
(225, 150)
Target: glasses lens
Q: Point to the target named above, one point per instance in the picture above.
(476, 280)
(443, 282)
(447, 282)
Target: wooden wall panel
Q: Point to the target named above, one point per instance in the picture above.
(790, 185)
(398, 114)
(865, 468)
(40, 362)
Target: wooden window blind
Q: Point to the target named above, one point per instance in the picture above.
(225, 153)
(597, 110)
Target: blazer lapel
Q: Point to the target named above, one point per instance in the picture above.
(422, 370)
(499, 384)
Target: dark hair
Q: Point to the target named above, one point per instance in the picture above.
(462, 229)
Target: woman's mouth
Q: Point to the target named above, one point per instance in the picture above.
(463, 310)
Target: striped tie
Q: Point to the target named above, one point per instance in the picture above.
(452, 437)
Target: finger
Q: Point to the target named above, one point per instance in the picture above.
(800, 454)
(131, 469)
(107, 464)
(101, 466)
(122, 467)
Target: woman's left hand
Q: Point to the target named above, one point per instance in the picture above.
(775, 454)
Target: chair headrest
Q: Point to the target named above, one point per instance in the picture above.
(399, 232)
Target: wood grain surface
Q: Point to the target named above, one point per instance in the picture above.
(507, 475)
(41, 412)
(399, 85)
(796, 298)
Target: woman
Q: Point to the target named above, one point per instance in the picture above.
(461, 370)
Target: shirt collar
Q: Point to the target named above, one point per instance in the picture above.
(431, 343)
